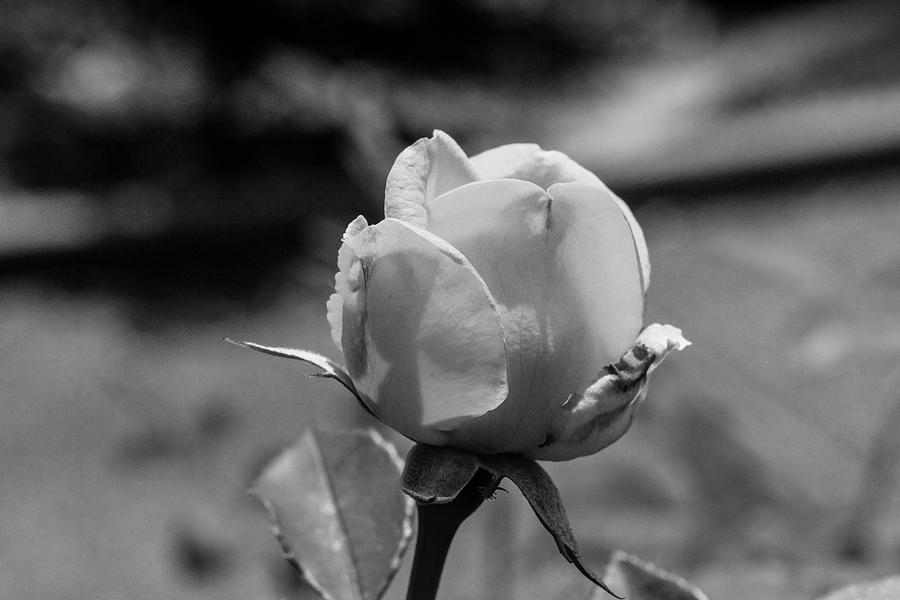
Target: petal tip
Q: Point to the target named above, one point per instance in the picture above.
(662, 339)
(355, 227)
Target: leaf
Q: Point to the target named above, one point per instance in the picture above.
(436, 474)
(330, 369)
(337, 511)
(640, 580)
(541, 493)
(884, 589)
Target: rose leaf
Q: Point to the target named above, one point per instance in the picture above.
(884, 589)
(640, 580)
(337, 513)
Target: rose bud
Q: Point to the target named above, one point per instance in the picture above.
(480, 311)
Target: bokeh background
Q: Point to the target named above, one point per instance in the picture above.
(176, 172)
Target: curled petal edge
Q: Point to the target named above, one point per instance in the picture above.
(335, 305)
(601, 414)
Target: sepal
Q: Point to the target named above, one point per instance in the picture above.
(543, 497)
(330, 369)
(437, 475)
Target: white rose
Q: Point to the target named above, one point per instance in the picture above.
(480, 311)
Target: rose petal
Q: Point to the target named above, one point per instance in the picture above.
(450, 167)
(603, 412)
(640, 243)
(423, 171)
(598, 254)
(421, 335)
(530, 163)
(545, 168)
(335, 304)
(660, 340)
(566, 280)
(511, 161)
(500, 227)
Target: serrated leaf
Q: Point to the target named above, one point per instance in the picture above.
(330, 369)
(436, 474)
(541, 493)
(884, 589)
(640, 580)
(337, 511)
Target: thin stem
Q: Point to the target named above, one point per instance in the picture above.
(437, 526)
(502, 570)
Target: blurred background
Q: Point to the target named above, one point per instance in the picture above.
(176, 172)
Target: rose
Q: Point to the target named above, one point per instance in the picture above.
(474, 319)
(478, 313)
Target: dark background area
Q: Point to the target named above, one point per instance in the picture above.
(171, 173)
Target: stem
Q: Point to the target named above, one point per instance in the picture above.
(438, 524)
(502, 571)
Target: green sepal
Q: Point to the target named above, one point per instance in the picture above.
(437, 474)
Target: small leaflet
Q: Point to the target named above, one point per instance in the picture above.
(337, 512)
(884, 589)
(640, 580)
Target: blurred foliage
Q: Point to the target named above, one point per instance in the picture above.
(180, 139)
(97, 92)
(177, 151)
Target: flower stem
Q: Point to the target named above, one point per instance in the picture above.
(437, 526)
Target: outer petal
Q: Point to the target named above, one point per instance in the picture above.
(566, 280)
(545, 168)
(603, 413)
(500, 226)
(640, 243)
(335, 305)
(599, 259)
(421, 335)
(424, 171)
